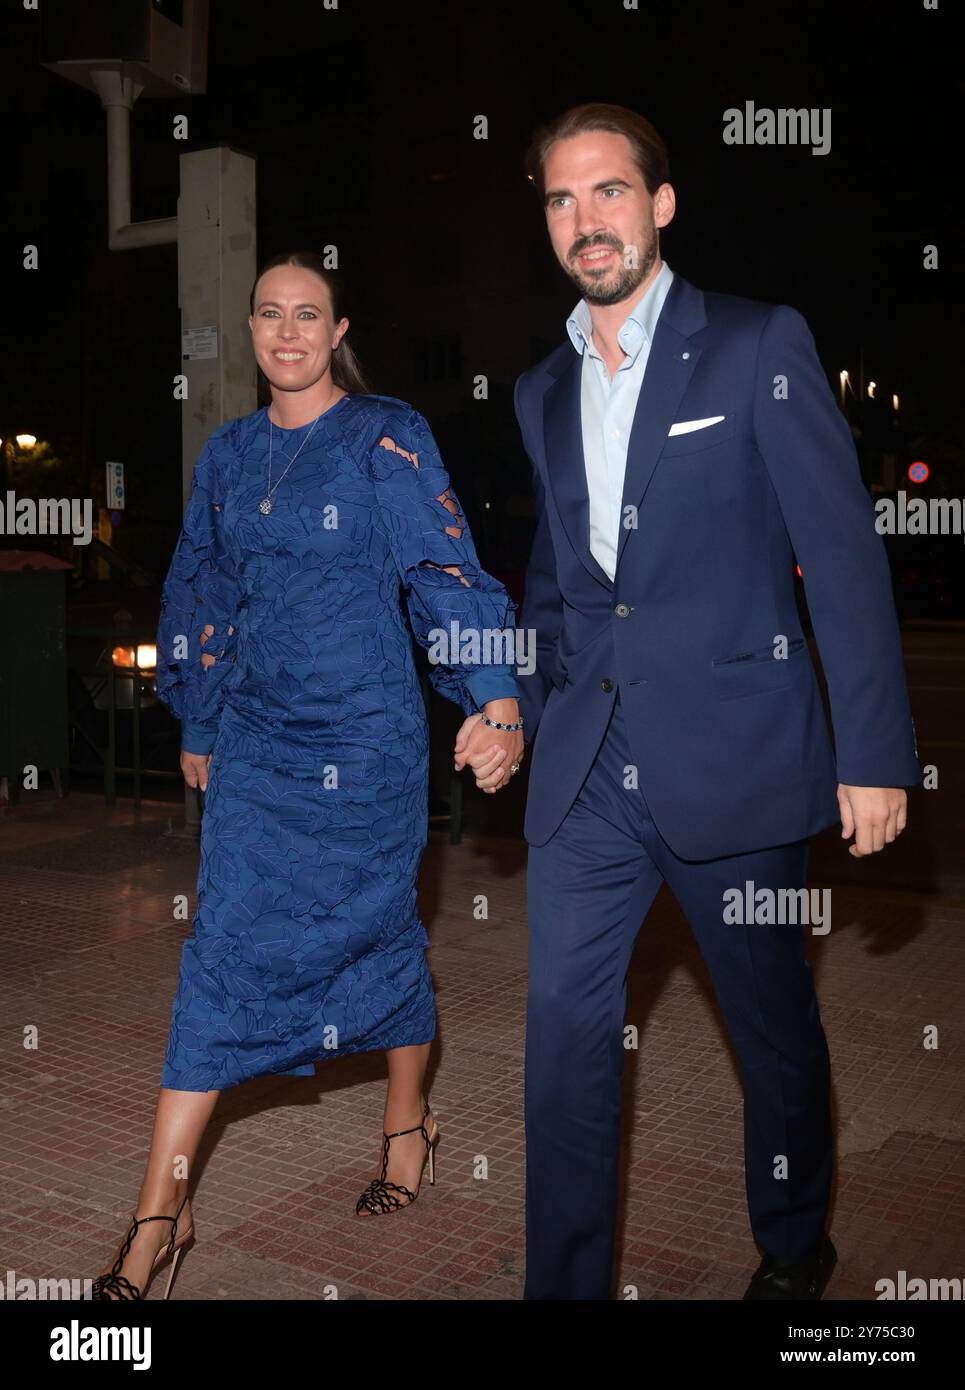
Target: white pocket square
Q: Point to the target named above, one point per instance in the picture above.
(685, 426)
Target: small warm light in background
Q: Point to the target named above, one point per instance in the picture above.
(26, 441)
(872, 387)
(894, 402)
(144, 656)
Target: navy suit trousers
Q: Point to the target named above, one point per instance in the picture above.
(590, 888)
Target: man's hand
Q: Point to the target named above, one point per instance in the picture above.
(873, 815)
(491, 753)
(195, 768)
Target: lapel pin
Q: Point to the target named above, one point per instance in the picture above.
(684, 356)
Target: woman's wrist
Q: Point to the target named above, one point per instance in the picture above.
(502, 714)
(198, 738)
(505, 710)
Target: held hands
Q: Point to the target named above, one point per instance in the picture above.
(493, 754)
(875, 816)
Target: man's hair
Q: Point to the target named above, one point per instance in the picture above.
(646, 143)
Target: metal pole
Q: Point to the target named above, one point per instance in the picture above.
(110, 788)
(136, 715)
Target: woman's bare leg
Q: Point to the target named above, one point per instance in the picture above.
(179, 1123)
(404, 1109)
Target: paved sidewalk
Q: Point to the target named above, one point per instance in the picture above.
(89, 953)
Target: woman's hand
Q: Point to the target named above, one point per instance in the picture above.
(195, 768)
(491, 753)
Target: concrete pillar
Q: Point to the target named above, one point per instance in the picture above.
(216, 266)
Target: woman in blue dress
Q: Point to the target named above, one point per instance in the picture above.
(284, 651)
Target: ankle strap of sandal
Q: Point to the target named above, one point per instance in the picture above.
(421, 1126)
(137, 1221)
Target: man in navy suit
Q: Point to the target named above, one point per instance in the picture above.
(687, 452)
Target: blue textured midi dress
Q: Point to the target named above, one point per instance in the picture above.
(307, 940)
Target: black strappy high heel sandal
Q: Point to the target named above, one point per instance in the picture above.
(380, 1196)
(115, 1284)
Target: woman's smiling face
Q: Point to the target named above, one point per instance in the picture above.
(292, 328)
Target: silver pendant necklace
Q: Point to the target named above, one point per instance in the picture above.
(266, 504)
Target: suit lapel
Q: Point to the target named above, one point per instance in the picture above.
(667, 378)
(670, 366)
(565, 462)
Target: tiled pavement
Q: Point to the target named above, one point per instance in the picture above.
(89, 955)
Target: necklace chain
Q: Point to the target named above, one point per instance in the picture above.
(266, 504)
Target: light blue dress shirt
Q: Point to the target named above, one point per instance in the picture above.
(607, 407)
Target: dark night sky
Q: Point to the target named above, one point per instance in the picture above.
(91, 343)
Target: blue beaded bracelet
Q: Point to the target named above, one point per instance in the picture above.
(507, 728)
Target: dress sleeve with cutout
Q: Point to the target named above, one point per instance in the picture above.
(440, 571)
(202, 590)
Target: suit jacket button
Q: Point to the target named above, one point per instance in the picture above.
(606, 685)
(622, 610)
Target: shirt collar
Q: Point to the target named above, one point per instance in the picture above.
(638, 326)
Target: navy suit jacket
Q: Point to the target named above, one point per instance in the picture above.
(731, 745)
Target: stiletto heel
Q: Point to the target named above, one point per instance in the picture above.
(174, 1264)
(379, 1197)
(115, 1283)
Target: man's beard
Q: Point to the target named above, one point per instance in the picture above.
(628, 279)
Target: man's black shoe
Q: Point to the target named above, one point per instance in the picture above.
(796, 1279)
